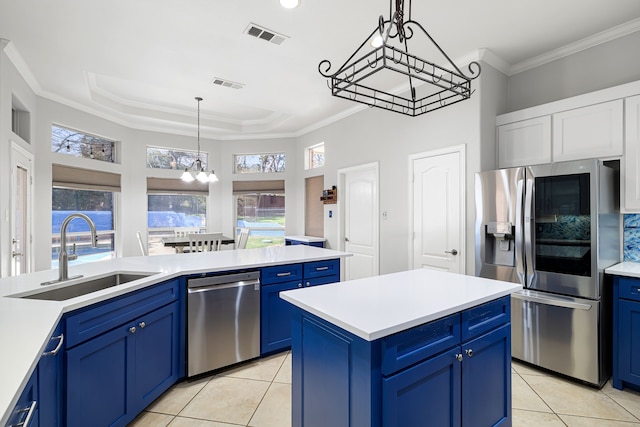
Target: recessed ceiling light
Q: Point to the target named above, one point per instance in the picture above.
(289, 4)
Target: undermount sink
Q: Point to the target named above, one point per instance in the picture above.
(85, 286)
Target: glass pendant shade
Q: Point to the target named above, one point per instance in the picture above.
(213, 177)
(289, 4)
(186, 176)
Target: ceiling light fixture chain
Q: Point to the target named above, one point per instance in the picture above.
(443, 86)
(201, 174)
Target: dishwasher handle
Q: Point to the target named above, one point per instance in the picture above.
(254, 283)
(246, 276)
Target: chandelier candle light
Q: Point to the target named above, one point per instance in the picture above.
(359, 76)
(201, 174)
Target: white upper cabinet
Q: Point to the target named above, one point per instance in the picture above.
(595, 131)
(630, 178)
(527, 142)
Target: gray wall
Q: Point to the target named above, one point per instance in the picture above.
(606, 65)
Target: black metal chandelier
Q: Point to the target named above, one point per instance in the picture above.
(356, 80)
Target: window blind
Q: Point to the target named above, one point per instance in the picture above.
(176, 186)
(84, 179)
(250, 187)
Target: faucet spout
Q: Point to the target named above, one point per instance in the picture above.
(63, 257)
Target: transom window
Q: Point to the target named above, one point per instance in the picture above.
(171, 158)
(80, 144)
(315, 156)
(259, 163)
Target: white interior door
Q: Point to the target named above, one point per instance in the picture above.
(360, 233)
(21, 172)
(438, 210)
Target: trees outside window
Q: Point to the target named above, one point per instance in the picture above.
(259, 163)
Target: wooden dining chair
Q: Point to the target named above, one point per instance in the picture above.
(204, 242)
(243, 237)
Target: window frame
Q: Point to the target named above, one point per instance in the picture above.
(249, 172)
(309, 164)
(204, 157)
(112, 142)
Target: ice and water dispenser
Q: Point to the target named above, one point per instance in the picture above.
(499, 243)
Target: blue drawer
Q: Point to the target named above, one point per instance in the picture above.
(102, 317)
(281, 273)
(485, 317)
(628, 288)
(416, 344)
(330, 267)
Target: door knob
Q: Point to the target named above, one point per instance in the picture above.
(15, 254)
(452, 252)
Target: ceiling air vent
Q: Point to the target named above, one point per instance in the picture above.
(265, 34)
(227, 83)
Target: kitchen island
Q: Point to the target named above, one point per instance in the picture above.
(415, 348)
(27, 325)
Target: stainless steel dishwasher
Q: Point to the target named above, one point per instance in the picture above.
(223, 320)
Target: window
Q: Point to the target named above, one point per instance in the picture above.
(315, 156)
(90, 192)
(80, 144)
(259, 163)
(260, 207)
(173, 204)
(97, 205)
(169, 158)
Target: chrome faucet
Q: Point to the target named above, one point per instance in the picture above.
(64, 257)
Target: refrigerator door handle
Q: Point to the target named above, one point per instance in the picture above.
(557, 302)
(518, 222)
(528, 236)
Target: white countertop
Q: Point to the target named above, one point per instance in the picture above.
(628, 268)
(308, 239)
(27, 324)
(376, 307)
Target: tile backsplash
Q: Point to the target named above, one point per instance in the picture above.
(632, 237)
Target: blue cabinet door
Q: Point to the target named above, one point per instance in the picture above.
(425, 394)
(486, 379)
(155, 357)
(97, 378)
(275, 314)
(114, 376)
(628, 354)
(50, 380)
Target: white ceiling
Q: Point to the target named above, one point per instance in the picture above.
(142, 62)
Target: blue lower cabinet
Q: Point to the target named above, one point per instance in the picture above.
(114, 376)
(424, 376)
(626, 333)
(50, 380)
(275, 313)
(486, 379)
(275, 324)
(26, 411)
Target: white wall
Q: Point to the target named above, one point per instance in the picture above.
(11, 84)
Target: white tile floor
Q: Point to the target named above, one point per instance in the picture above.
(258, 394)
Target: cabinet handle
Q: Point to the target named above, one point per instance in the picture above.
(132, 329)
(29, 410)
(308, 284)
(288, 273)
(459, 357)
(321, 268)
(142, 325)
(58, 347)
(469, 352)
(299, 285)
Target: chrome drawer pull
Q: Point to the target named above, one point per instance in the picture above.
(27, 420)
(321, 268)
(459, 357)
(288, 273)
(469, 352)
(58, 347)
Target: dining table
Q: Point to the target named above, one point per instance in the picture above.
(181, 242)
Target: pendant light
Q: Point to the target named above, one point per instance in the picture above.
(196, 166)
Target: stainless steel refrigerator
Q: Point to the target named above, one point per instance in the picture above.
(553, 228)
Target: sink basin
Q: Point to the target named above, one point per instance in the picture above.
(85, 286)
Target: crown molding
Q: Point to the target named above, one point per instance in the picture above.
(577, 46)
